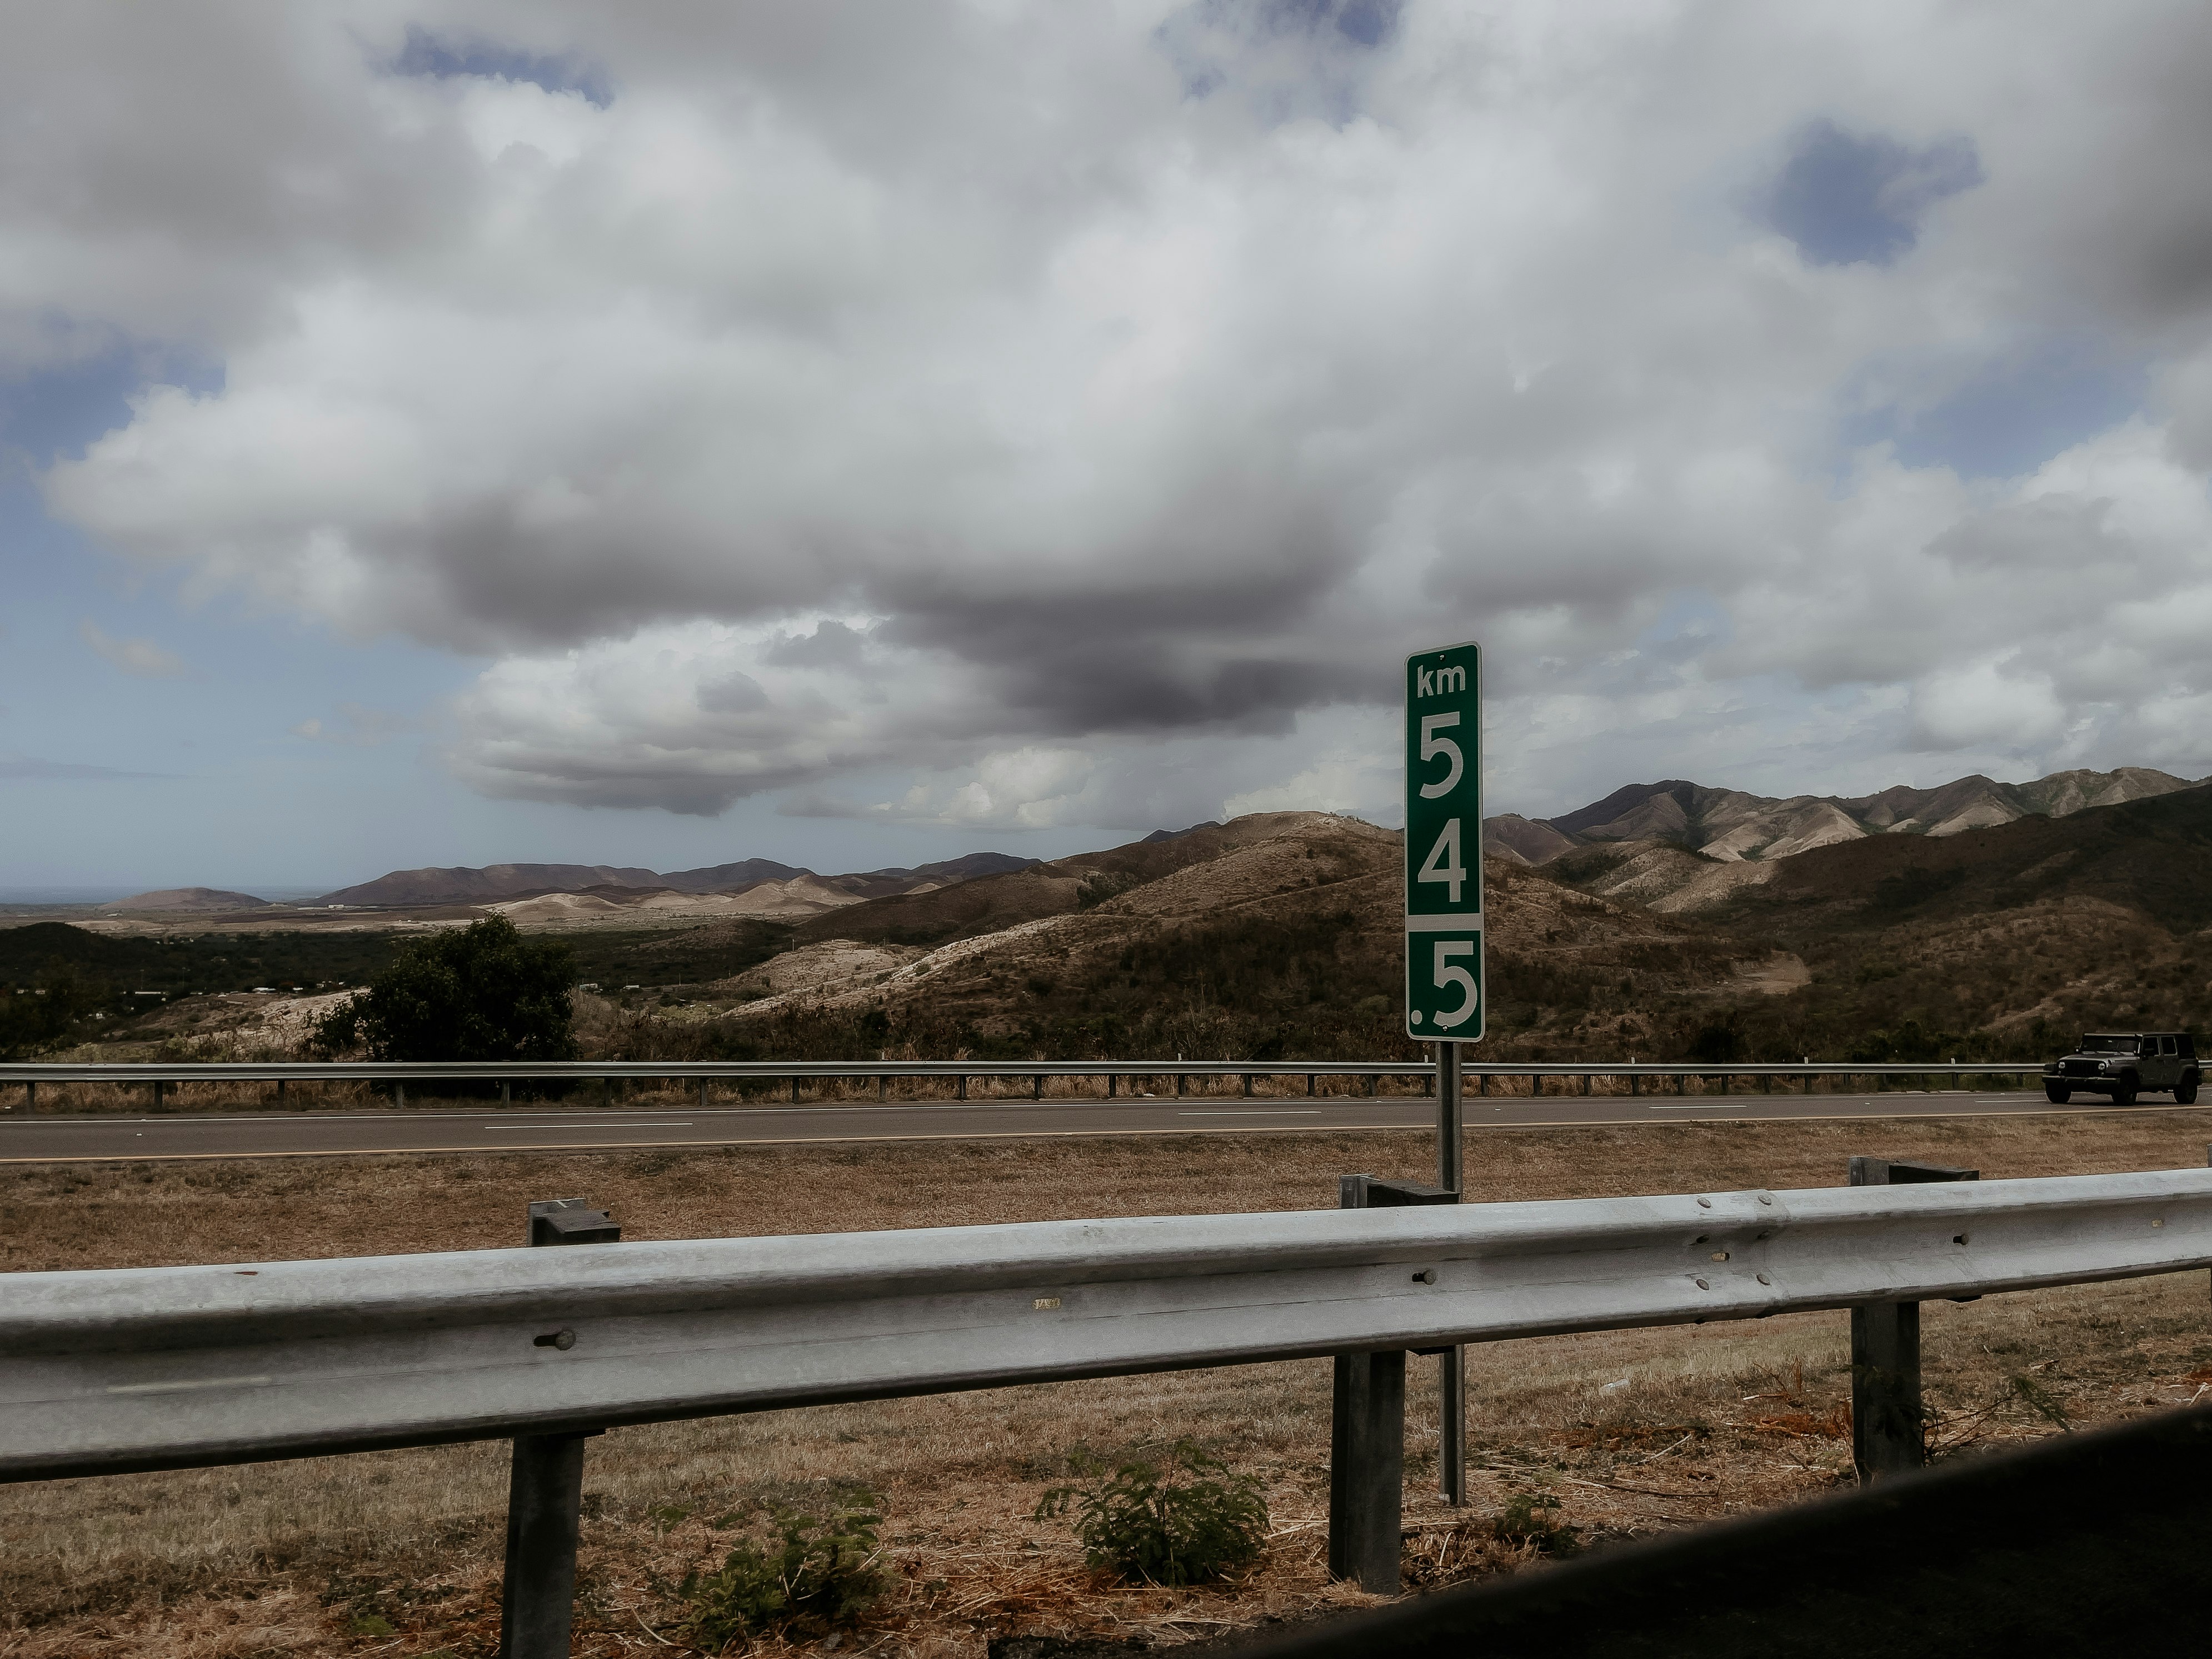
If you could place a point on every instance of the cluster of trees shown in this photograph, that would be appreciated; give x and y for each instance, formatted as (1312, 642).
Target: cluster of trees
(32, 1018)
(482, 993)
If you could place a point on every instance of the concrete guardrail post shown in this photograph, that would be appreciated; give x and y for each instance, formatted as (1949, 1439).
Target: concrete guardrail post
(1886, 1436)
(545, 1488)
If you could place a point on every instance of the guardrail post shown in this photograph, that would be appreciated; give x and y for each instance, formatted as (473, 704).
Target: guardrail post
(962, 1093)
(1886, 1437)
(794, 1091)
(157, 1094)
(31, 1096)
(1366, 1448)
(546, 1487)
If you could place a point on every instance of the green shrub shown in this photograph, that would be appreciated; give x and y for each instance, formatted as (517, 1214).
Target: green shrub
(816, 1570)
(1189, 1523)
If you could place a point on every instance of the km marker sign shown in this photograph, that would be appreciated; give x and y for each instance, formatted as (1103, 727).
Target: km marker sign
(1443, 844)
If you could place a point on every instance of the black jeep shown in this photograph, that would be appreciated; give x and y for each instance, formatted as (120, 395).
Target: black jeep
(2124, 1064)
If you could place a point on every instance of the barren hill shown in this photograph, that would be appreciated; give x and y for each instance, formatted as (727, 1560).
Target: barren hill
(495, 882)
(1272, 934)
(1729, 824)
(189, 898)
(1991, 939)
(989, 904)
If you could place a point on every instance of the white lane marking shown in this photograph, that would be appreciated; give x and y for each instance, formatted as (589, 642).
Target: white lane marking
(1705, 1106)
(627, 1123)
(184, 1388)
(1288, 1111)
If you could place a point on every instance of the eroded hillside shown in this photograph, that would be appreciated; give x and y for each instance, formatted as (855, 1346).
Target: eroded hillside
(1264, 938)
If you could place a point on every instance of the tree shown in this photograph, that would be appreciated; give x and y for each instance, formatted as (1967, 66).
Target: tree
(484, 992)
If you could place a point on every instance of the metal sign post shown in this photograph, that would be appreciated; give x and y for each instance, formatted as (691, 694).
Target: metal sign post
(1444, 1002)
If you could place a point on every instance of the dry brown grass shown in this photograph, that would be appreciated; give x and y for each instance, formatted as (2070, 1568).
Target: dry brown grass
(398, 1553)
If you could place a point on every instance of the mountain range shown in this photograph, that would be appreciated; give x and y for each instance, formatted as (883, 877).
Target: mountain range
(1663, 845)
(1730, 825)
(492, 882)
(1281, 934)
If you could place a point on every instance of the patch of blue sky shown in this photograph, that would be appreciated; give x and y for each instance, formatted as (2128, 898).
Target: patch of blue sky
(1291, 58)
(55, 409)
(443, 58)
(2008, 415)
(173, 773)
(1849, 198)
(1692, 623)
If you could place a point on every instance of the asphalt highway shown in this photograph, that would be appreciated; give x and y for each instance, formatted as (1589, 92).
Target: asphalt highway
(41, 1140)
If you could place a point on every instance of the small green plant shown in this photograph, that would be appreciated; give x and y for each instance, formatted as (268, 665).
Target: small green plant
(816, 1569)
(1528, 1519)
(1191, 1522)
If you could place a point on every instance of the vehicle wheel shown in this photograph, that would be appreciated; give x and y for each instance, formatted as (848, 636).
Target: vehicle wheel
(2123, 1091)
(2185, 1094)
(2056, 1094)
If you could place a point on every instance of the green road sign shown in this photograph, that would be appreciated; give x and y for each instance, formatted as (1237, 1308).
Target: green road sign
(1443, 844)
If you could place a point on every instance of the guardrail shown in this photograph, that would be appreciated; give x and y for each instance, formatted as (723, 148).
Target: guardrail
(700, 1074)
(119, 1369)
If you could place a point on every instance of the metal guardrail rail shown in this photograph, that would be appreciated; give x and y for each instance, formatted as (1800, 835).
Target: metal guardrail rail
(30, 1074)
(104, 1371)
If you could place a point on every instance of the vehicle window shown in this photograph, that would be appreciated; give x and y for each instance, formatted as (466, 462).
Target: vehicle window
(2109, 1044)
(2166, 1046)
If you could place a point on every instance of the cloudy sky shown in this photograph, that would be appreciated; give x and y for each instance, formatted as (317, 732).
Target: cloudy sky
(857, 434)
